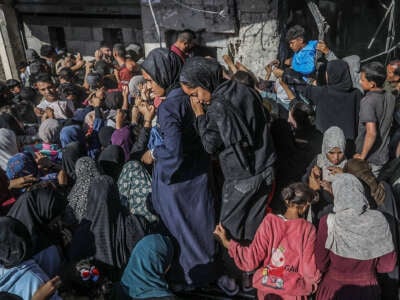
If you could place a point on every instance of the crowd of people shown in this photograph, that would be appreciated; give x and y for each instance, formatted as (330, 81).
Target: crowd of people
(132, 177)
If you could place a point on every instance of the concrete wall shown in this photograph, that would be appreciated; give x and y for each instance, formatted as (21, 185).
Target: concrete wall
(252, 24)
(81, 35)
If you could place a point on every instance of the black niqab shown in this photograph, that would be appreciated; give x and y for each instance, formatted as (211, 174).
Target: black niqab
(339, 75)
(36, 209)
(337, 104)
(70, 154)
(203, 72)
(111, 161)
(15, 242)
(164, 68)
(115, 231)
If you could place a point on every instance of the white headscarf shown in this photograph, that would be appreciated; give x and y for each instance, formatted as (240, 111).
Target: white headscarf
(354, 230)
(333, 138)
(8, 146)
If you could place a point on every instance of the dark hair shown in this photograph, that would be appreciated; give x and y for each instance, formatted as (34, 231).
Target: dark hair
(75, 284)
(27, 94)
(43, 77)
(244, 78)
(11, 83)
(375, 72)
(47, 51)
(119, 49)
(66, 74)
(299, 193)
(186, 35)
(132, 55)
(295, 32)
(22, 65)
(104, 44)
(302, 114)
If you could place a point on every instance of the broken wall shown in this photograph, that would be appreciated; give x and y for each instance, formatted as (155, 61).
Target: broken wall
(250, 26)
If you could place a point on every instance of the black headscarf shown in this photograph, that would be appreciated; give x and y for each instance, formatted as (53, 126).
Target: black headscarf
(337, 103)
(111, 161)
(9, 122)
(70, 154)
(105, 134)
(114, 230)
(15, 242)
(339, 75)
(164, 67)
(36, 209)
(203, 72)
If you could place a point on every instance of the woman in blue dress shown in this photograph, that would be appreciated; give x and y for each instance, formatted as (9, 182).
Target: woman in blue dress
(180, 189)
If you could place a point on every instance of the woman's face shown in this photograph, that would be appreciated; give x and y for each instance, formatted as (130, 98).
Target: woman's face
(157, 90)
(197, 94)
(335, 156)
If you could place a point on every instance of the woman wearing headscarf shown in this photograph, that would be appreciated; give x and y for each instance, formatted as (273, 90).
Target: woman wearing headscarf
(337, 103)
(134, 185)
(8, 146)
(353, 244)
(235, 126)
(111, 161)
(180, 182)
(85, 171)
(70, 154)
(38, 210)
(145, 275)
(380, 196)
(323, 170)
(19, 273)
(49, 133)
(107, 229)
(105, 134)
(72, 133)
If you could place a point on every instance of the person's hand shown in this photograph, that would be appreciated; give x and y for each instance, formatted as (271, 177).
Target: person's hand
(288, 62)
(125, 91)
(321, 46)
(119, 119)
(220, 233)
(22, 182)
(42, 161)
(62, 178)
(358, 156)
(147, 158)
(197, 107)
(97, 55)
(327, 186)
(145, 91)
(148, 111)
(47, 289)
(278, 73)
(314, 181)
(335, 170)
(88, 67)
(38, 112)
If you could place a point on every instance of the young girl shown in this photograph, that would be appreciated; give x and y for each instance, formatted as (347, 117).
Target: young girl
(282, 252)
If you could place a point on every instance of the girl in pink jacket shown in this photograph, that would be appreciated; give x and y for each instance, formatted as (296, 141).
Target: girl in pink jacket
(282, 252)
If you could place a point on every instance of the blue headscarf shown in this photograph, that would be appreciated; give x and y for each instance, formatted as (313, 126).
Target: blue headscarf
(71, 134)
(21, 164)
(144, 276)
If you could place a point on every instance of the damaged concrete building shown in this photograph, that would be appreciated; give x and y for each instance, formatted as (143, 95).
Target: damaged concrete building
(251, 31)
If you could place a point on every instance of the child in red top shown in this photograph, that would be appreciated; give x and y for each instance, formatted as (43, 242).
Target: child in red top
(282, 252)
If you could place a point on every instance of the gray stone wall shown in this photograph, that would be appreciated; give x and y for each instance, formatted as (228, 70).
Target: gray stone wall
(253, 25)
